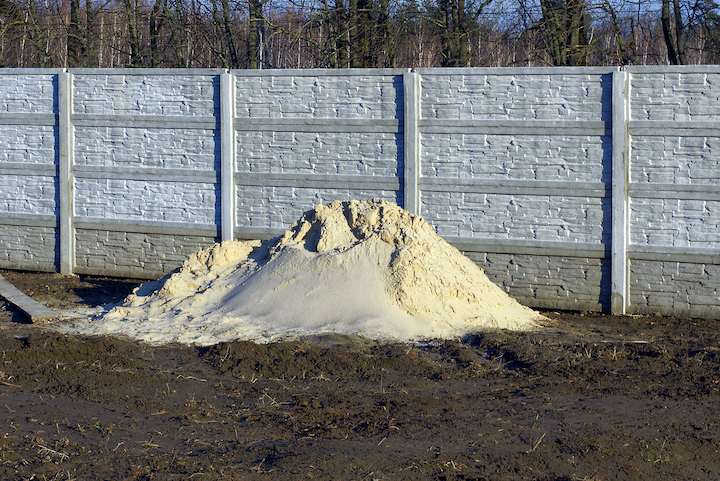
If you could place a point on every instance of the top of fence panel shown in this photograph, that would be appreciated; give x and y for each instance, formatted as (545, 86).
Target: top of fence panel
(370, 71)
(31, 71)
(317, 72)
(660, 69)
(517, 71)
(147, 71)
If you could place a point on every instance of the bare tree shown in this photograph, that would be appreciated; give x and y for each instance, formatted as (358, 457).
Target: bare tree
(74, 36)
(564, 24)
(132, 12)
(155, 25)
(453, 29)
(256, 35)
(675, 44)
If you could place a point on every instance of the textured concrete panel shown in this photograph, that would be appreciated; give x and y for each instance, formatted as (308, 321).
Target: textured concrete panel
(675, 288)
(28, 93)
(320, 153)
(279, 207)
(500, 216)
(28, 248)
(146, 147)
(27, 194)
(675, 96)
(517, 97)
(25, 144)
(134, 254)
(673, 222)
(108, 94)
(191, 203)
(675, 160)
(319, 97)
(519, 157)
(549, 281)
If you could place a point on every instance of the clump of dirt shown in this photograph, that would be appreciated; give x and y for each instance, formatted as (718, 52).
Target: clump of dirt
(303, 360)
(353, 267)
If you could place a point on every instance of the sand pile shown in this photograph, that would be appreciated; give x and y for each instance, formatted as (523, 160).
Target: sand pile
(368, 268)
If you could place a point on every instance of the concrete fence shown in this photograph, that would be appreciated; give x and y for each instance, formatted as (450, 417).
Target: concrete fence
(574, 188)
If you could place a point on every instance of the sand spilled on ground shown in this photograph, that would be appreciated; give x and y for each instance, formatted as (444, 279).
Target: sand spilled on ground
(353, 267)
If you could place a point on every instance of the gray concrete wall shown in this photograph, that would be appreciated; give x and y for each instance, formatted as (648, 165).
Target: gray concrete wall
(146, 150)
(308, 137)
(516, 165)
(574, 188)
(674, 188)
(29, 155)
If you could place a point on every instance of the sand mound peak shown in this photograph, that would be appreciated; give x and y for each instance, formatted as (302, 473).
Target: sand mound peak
(426, 274)
(342, 224)
(355, 267)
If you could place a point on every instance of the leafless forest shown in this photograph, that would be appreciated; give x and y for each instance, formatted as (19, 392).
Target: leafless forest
(356, 33)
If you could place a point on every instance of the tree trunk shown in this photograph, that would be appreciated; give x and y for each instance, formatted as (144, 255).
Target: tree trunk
(89, 52)
(577, 40)
(74, 41)
(679, 35)
(156, 22)
(361, 54)
(343, 56)
(131, 11)
(454, 36)
(256, 18)
(667, 32)
(360, 42)
(229, 41)
(386, 34)
(553, 38)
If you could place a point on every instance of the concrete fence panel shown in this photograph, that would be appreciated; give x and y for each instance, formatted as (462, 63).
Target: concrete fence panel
(516, 170)
(307, 137)
(674, 189)
(29, 158)
(145, 169)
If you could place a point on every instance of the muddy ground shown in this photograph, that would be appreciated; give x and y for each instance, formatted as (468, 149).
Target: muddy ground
(590, 398)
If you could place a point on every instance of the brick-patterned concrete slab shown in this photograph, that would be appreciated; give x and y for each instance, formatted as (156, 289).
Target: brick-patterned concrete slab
(35, 311)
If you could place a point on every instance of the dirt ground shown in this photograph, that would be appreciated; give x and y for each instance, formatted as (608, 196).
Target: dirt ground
(592, 397)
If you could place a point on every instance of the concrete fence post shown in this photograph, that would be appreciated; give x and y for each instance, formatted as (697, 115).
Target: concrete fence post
(620, 269)
(411, 144)
(227, 156)
(66, 146)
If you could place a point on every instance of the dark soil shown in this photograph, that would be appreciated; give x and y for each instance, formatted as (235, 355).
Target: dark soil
(593, 397)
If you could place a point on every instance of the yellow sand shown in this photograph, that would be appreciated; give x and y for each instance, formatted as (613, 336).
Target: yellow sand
(355, 267)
